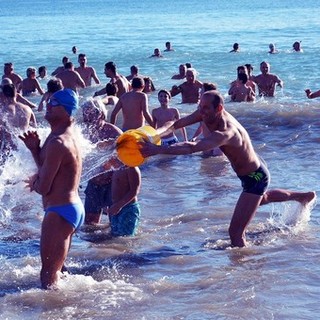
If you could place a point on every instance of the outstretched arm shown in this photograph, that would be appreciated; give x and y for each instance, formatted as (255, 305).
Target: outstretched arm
(312, 95)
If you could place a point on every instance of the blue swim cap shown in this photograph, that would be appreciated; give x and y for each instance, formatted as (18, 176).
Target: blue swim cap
(68, 99)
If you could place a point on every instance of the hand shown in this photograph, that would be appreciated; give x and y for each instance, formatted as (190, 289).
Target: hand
(31, 181)
(148, 149)
(308, 92)
(112, 210)
(31, 140)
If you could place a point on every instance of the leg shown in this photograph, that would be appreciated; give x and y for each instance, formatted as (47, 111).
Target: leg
(56, 234)
(280, 195)
(244, 211)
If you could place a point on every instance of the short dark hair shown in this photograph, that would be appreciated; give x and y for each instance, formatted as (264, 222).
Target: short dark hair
(243, 77)
(54, 85)
(207, 86)
(42, 68)
(137, 82)
(68, 65)
(164, 91)
(9, 90)
(111, 89)
(111, 66)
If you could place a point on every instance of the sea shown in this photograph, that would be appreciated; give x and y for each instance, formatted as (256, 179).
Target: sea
(180, 265)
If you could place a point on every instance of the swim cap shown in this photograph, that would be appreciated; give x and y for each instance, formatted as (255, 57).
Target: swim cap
(68, 99)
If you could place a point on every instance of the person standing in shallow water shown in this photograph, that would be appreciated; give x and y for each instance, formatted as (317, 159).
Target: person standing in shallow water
(233, 140)
(57, 181)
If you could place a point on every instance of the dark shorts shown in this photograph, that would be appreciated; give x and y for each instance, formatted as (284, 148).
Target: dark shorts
(256, 182)
(97, 197)
(126, 222)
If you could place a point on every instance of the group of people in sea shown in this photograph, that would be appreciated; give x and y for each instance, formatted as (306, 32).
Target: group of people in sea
(115, 191)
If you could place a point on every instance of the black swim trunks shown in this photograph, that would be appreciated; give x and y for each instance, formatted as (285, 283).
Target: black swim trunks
(256, 182)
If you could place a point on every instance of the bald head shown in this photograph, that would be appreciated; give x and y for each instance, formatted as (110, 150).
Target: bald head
(213, 97)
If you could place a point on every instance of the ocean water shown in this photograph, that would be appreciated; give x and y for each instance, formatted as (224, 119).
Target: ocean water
(180, 265)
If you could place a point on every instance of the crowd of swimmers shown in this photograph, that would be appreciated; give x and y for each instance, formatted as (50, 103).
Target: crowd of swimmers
(115, 193)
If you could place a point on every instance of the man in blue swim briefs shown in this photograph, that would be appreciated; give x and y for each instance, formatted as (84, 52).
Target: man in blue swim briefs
(233, 140)
(59, 169)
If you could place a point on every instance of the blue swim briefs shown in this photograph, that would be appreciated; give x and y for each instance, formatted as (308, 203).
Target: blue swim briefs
(72, 213)
(126, 222)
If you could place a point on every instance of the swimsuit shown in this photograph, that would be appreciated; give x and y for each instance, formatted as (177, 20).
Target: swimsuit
(97, 197)
(72, 213)
(256, 182)
(126, 222)
(169, 141)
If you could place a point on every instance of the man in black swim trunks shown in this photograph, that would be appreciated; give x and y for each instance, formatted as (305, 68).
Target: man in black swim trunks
(233, 140)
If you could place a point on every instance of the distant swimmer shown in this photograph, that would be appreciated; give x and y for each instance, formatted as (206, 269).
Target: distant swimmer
(42, 72)
(134, 107)
(134, 72)
(71, 78)
(156, 53)
(272, 48)
(235, 48)
(267, 81)
(86, 73)
(57, 181)
(297, 47)
(74, 50)
(238, 86)
(234, 141)
(190, 89)
(148, 85)
(241, 91)
(8, 72)
(30, 85)
(182, 73)
(61, 68)
(168, 47)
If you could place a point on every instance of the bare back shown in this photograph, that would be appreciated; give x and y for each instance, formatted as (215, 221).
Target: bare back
(133, 105)
(18, 115)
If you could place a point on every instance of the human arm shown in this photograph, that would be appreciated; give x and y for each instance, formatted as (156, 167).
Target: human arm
(44, 99)
(94, 76)
(175, 90)
(216, 139)
(40, 90)
(80, 81)
(115, 111)
(54, 154)
(32, 141)
(312, 95)
(279, 82)
(25, 101)
(100, 92)
(197, 133)
(183, 129)
(146, 112)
